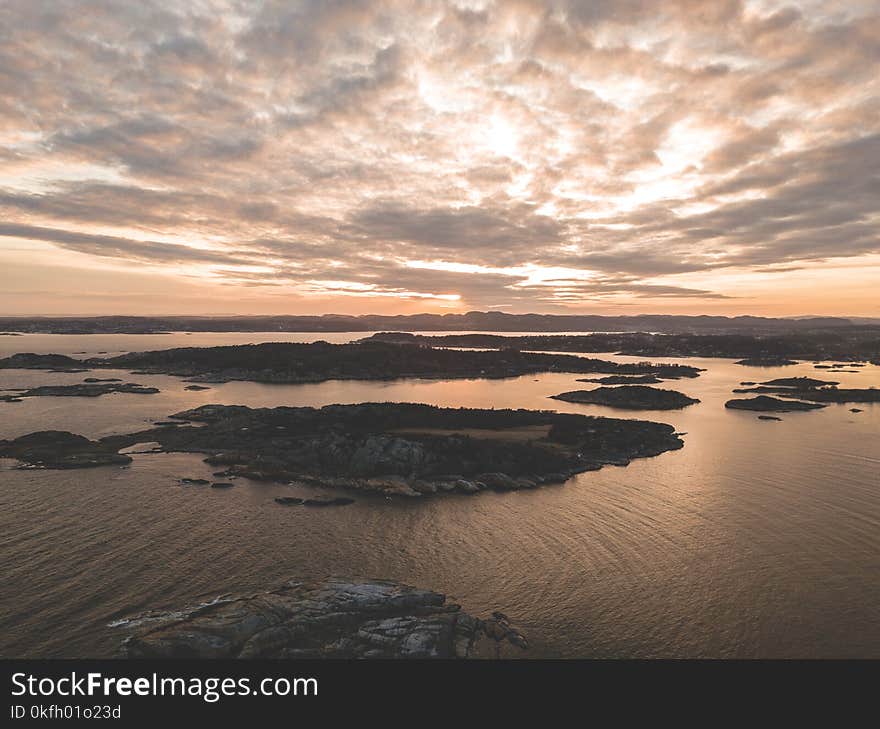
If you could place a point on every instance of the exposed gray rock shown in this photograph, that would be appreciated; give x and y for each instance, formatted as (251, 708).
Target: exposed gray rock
(333, 618)
(314, 501)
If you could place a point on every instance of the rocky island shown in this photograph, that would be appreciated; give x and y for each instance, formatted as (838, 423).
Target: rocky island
(285, 362)
(332, 618)
(625, 380)
(813, 390)
(852, 344)
(765, 403)
(393, 449)
(58, 449)
(31, 361)
(89, 389)
(766, 361)
(630, 397)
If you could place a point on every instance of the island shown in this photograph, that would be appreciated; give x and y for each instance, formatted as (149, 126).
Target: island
(392, 449)
(31, 361)
(838, 395)
(800, 383)
(764, 403)
(766, 361)
(851, 344)
(813, 390)
(287, 362)
(629, 397)
(331, 618)
(91, 389)
(58, 449)
(624, 380)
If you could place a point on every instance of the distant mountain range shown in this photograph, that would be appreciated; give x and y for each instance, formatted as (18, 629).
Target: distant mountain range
(482, 321)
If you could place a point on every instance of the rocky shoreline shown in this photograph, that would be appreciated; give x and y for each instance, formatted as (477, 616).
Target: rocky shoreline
(332, 618)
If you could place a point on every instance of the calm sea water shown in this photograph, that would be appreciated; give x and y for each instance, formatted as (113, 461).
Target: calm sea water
(758, 539)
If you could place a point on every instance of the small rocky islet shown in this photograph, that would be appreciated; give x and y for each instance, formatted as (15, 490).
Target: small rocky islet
(629, 397)
(331, 618)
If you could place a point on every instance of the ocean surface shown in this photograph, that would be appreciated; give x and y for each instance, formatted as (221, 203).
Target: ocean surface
(757, 539)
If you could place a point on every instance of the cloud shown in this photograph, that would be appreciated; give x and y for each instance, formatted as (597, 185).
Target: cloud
(116, 247)
(294, 144)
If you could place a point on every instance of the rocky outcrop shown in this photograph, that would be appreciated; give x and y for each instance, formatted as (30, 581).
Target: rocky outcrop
(630, 397)
(60, 449)
(764, 403)
(314, 501)
(333, 618)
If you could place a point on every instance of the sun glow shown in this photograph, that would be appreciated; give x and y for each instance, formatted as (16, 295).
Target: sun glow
(501, 137)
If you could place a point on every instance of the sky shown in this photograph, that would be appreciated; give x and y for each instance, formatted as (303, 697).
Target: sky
(394, 156)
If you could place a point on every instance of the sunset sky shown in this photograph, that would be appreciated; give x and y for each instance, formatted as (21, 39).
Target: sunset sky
(209, 156)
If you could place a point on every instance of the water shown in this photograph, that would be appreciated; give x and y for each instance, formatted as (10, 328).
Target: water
(757, 539)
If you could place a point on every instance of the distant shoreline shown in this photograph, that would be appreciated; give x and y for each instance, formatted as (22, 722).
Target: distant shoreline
(489, 321)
